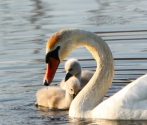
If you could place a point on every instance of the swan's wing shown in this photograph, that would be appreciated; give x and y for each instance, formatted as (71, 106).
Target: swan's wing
(137, 92)
(128, 103)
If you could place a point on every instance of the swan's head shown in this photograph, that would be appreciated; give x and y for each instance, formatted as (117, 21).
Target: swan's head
(73, 86)
(62, 43)
(72, 68)
(58, 47)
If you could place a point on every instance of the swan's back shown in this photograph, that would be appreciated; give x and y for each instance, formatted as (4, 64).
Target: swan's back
(128, 103)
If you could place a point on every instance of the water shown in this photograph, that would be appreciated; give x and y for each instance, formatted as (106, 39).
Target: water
(24, 29)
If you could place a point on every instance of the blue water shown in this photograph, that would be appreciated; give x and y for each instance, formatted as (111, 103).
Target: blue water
(25, 27)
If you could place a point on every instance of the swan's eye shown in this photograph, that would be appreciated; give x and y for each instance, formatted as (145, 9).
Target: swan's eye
(71, 89)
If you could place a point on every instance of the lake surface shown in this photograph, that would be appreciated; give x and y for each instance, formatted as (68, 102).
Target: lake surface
(25, 27)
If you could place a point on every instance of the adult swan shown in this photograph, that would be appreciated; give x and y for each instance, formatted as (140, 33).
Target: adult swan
(128, 104)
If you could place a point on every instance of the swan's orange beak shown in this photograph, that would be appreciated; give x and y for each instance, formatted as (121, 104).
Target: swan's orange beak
(52, 66)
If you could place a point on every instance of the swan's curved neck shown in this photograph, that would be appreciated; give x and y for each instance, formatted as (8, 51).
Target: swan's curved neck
(95, 90)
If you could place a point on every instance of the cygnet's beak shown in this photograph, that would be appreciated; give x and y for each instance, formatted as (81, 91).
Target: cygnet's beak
(52, 66)
(68, 75)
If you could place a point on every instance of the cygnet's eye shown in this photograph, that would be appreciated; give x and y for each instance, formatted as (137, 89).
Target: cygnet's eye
(70, 69)
(71, 89)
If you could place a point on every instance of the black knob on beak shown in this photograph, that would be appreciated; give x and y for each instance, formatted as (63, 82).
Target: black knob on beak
(46, 83)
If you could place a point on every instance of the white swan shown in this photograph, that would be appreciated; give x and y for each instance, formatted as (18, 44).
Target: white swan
(73, 68)
(128, 104)
(54, 97)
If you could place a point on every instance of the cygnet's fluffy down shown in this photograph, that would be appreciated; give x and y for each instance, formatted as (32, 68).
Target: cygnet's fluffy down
(57, 98)
(74, 69)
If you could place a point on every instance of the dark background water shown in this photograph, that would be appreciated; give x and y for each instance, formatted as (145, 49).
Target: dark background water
(26, 25)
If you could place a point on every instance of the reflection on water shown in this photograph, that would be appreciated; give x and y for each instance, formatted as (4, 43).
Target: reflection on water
(106, 122)
(24, 29)
(38, 13)
(119, 12)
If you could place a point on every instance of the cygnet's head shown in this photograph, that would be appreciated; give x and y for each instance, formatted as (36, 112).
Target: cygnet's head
(73, 86)
(72, 68)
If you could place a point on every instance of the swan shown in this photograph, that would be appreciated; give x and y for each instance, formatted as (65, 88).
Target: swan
(56, 98)
(73, 68)
(130, 103)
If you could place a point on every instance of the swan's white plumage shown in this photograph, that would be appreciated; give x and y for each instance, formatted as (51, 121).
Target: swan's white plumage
(128, 104)
(73, 67)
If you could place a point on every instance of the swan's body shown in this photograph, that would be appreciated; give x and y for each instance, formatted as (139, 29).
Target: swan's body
(128, 104)
(56, 98)
(74, 69)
